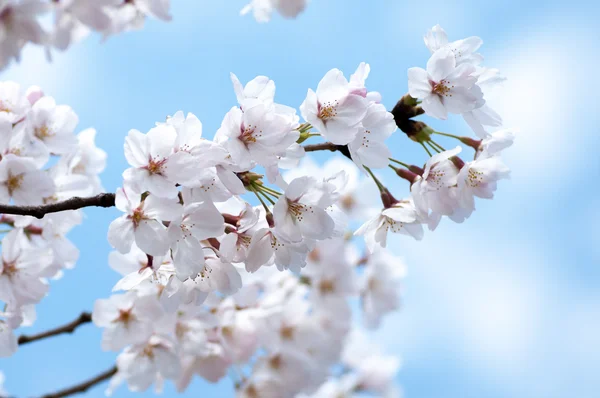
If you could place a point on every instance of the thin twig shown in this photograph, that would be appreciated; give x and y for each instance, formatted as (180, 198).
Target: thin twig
(84, 386)
(101, 200)
(328, 146)
(70, 327)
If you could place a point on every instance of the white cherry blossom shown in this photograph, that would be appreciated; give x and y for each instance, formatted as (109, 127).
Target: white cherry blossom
(142, 222)
(21, 181)
(333, 109)
(445, 86)
(126, 319)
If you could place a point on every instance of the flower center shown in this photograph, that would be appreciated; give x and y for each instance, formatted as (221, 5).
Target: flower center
(326, 286)
(443, 88)
(244, 240)
(125, 317)
(9, 269)
(43, 132)
(372, 284)
(5, 107)
(155, 166)
(248, 134)
(148, 351)
(13, 183)
(436, 178)
(275, 362)
(252, 392)
(297, 210)
(286, 332)
(395, 226)
(328, 110)
(474, 178)
(137, 216)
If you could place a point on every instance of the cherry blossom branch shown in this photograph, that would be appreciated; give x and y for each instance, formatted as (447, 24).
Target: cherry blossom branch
(101, 200)
(405, 109)
(70, 327)
(84, 386)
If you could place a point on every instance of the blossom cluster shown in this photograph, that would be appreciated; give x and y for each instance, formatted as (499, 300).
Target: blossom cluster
(42, 161)
(237, 253)
(21, 21)
(454, 82)
(214, 283)
(263, 9)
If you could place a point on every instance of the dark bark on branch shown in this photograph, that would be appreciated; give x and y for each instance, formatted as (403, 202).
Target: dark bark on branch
(101, 200)
(70, 327)
(328, 146)
(84, 386)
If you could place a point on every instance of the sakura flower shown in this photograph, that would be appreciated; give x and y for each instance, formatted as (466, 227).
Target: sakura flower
(137, 268)
(53, 125)
(463, 50)
(189, 139)
(234, 245)
(126, 319)
(267, 247)
(260, 88)
(262, 386)
(495, 143)
(23, 270)
(211, 365)
(15, 139)
(54, 230)
(88, 160)
(21, 181)
(375, 372)
(357, 83)
(445, 86)
(379, 293)
(239, 334)
(300, 212)
(142, 222)
(401, 218)
(333, 110)
(330, 273)
(477, 119)
(255, 134)
(208, 187)
(18, 25)
(479, 178)
(13, 104)
(143, 364)
(74, 19)
(131, 15)
(155, 166)
(294, 369)
(216, 275)
(368, 148)
(432, 191)
(198, 221)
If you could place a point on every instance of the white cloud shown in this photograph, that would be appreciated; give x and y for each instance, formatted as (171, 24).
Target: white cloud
(543, 98)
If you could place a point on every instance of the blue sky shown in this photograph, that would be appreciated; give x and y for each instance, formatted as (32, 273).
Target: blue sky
(505, 305)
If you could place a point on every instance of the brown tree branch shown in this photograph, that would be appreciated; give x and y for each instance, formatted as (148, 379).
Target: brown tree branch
(84, 386)
(70, 327)
(328, 146)
(101, 200)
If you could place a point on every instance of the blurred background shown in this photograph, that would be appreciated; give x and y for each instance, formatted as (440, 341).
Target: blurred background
(505, 305)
